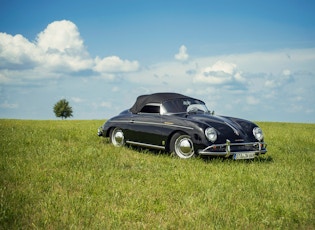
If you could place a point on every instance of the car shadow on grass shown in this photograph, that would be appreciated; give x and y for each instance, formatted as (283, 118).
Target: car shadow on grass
(207, 159)
(259, 159)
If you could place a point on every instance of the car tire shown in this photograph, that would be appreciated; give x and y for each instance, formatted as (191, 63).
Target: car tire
(181, 145)
(117, 137)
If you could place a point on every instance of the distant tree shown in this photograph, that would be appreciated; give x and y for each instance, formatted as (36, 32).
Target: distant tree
(63, 109)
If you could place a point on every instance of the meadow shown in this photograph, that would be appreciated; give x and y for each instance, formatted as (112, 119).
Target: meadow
(61, 175)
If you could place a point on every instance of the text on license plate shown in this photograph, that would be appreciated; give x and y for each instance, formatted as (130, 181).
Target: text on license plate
(240, 156)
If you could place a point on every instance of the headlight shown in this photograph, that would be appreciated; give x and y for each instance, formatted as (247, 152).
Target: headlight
(258, 133)
(211, 134)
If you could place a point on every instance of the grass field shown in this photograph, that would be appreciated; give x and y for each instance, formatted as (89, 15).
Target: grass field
(61, 175)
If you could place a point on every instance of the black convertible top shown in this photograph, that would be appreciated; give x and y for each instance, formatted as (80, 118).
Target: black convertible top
(154, 98)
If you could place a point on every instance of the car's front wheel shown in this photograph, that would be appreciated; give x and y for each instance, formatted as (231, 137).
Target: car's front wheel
(182, 146)
(117, 137)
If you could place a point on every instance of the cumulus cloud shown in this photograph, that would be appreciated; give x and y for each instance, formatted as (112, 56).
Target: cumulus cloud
(57, 50)
(17, 52)
(182, 54)
(62, 47)
(219, 73)
(115, 64)
(60, 36)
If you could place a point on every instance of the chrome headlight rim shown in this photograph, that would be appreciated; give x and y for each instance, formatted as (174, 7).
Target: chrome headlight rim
(258, 133)
(211, 134)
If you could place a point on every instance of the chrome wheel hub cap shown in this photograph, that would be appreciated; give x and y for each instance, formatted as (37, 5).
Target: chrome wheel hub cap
(184, 147)
(119, 137)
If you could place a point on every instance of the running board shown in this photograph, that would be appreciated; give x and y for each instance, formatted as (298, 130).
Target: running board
(146, 145)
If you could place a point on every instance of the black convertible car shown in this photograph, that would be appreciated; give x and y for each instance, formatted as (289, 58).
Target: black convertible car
(185, 127)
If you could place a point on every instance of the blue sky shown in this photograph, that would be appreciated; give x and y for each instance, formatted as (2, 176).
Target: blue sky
(249, 59)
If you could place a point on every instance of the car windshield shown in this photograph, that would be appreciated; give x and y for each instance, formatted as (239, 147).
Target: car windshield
(186, 105)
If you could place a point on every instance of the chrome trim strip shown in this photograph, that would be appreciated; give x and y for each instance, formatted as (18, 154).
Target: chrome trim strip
(155, 123)
(146, 145)
(162, 124)
(233, 128)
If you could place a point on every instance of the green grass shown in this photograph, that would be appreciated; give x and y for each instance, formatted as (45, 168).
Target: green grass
(60, 175)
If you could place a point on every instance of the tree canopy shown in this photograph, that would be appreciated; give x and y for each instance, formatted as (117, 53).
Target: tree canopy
(63, 109)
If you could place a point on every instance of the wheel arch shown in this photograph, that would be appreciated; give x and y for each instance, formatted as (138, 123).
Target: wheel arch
(108, 131)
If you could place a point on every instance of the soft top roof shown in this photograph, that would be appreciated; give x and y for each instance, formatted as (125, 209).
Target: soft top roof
(154, 98)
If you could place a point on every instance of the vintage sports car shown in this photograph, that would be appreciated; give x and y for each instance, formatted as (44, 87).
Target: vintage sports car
(185, 127)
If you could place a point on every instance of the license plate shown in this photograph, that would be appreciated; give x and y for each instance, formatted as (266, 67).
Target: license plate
(241, 156)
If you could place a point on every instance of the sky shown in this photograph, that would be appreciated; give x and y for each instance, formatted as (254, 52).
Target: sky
(249, 59)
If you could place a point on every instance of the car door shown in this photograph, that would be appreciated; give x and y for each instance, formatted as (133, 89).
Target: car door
(145, 127)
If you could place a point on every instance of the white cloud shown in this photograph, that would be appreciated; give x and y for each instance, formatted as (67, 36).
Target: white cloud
(62, 36)
(57, 51)
(251, 100)
(77, 99)
(105, 104)
(274, 61)
(115, 64)
(270, 83)
(63, 48)
(279, 79)
(169, 75)
(7, 105)
(219, 73)
(286, 72)
(182, 54)
(17, 51)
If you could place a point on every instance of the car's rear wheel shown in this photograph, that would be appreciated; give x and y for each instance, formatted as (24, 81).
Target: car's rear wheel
(117, 137)
(182, 146)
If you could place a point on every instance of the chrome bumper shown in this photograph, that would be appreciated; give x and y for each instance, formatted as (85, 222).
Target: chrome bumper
(225, 149)
(100, 132)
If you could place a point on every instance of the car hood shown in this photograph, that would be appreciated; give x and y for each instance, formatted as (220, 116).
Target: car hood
(228, 127)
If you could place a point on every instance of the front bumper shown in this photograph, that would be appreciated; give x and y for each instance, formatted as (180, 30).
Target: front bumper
(230, 149)
(100, 131)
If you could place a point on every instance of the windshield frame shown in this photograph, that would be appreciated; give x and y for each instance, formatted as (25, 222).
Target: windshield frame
(180, 106)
